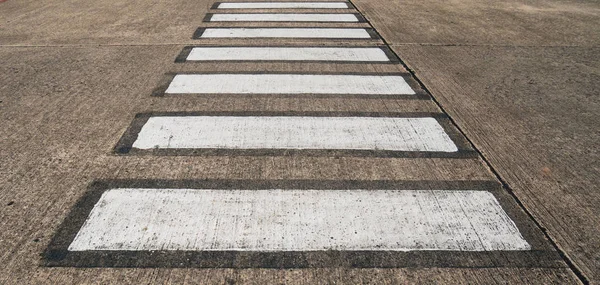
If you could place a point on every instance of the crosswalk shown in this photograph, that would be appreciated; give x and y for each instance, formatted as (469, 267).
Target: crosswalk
(282, 5)
(289, 84)
(294, 132)
(303, 33)
(282, 224)
(281, 17)
(341, 54)
(297, 220)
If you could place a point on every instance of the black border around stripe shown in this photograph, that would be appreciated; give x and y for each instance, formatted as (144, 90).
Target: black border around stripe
(125, 144)
(57, 254)
(393, 59)
(198, 33)
(420, 94)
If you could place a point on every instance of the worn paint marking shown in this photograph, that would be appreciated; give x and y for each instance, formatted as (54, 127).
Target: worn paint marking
(297, 220)
(283, 5)
(287, 53)
(283, 18)
(289, 84)
(331, 33)
(291, 132)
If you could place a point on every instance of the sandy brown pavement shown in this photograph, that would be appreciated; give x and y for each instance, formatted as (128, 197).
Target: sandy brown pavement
(519, 79)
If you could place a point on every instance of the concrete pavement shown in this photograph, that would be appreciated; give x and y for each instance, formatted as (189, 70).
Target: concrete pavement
(71, 86)
(521, 80)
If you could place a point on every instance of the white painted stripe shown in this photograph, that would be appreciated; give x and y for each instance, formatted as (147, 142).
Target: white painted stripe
(284, 5)
(283, 18)
(297, 220)
(290, 132)
(287, 53)
(341, 33)
(289, 84)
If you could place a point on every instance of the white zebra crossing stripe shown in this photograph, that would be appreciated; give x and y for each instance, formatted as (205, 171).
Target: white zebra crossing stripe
(297, 220)
(283, 18)
(288, 53)
(289, 84)
(293, 132)
(329, 33)
(283, 5)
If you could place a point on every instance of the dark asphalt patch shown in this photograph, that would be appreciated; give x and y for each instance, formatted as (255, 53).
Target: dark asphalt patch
(124, 146)
(542, 254)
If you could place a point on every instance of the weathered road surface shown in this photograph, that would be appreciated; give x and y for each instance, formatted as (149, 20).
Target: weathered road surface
(299, 142)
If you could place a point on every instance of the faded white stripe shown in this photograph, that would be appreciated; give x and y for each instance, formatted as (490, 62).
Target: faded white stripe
(290, 132)
(287, 53)
(331, 33)
(283, 5)
(283, 18)
(289, 84)
(297, 220)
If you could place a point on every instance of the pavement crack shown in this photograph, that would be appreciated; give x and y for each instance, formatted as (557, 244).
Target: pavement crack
(489, 45)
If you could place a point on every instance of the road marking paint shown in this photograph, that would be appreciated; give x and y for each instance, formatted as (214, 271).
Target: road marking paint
(289, 84)
(283, 5)
(283, 18)
(130, 219)
(294, 132)
(288, 53)
(331, 33)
